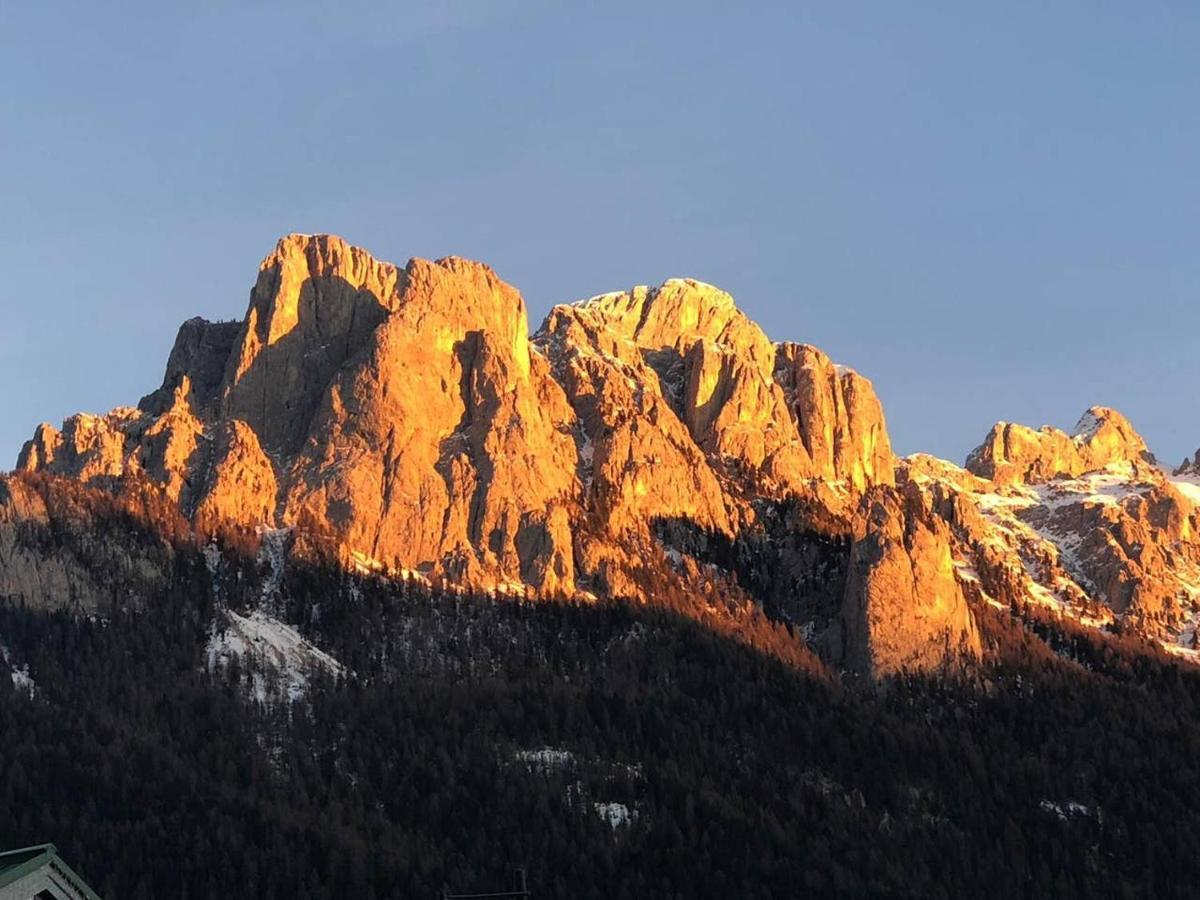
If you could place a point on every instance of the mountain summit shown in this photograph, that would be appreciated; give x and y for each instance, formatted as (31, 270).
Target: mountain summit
(1018, 454)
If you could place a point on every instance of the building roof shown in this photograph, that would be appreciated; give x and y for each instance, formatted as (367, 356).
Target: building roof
(40, 868)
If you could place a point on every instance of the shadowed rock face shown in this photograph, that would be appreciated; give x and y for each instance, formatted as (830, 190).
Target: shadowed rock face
(198, 360)
(62, 546)
(1190, 466)
(407, 413)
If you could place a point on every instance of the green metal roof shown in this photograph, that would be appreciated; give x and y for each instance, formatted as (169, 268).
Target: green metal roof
(16, 864)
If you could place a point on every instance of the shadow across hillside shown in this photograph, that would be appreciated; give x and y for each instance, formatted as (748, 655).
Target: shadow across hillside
(794, 564)
(473, 734)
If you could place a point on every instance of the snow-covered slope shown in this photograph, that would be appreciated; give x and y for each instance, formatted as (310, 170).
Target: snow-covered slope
(21, 679)
(278, 660)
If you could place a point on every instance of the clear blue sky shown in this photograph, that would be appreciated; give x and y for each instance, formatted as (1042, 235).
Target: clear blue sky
(992, 210)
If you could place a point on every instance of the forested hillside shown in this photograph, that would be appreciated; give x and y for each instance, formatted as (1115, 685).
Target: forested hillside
(611, 749)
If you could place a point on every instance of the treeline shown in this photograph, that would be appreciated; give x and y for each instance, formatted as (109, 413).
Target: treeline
(1066, 769)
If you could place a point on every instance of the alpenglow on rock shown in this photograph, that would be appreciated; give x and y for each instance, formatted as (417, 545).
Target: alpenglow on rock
(650, 444)
(1086, 525)
(904, 607)
(407, 416)
(1017, 453)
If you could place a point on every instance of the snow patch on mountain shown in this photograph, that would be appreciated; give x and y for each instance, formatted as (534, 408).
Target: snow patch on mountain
(1188, 485)
(22, 679)
(968, 574)
(274, 552)
(1065, 810)
(545, 759)
(588, 775)
(1013, 536)
(1107, 487)
(281, 660)
(617, 815)
(1050, 530)
(1187, 643)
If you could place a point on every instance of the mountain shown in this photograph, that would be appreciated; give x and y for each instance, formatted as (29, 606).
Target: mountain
(378, 592)
(407, 415)
(405, 419)
(1087, 524)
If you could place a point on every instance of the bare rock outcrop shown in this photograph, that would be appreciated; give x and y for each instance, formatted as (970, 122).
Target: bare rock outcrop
(125, 442)
(447, 447)
(777, 418)
(1016, 453)
(198, 360)
(1086, 525)
(687, 412)
(1190, 466)
(405, 416)
(838, 416)
(315, 305)
(87, 447)
(240, 485)
(63, 546)
(904, 609)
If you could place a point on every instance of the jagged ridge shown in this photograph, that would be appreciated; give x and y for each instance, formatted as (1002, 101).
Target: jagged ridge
(405, 418)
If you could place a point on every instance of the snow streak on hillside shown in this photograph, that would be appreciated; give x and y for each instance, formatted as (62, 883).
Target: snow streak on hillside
(283, 661)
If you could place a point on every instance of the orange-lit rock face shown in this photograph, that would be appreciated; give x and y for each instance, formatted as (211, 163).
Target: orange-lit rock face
(408, 410)
(315, 306)
(1016, 453)
(406, 413)
(241, 485)
(783, 416)
(406, 416)
(445, 446)
(904, 608)
(838, 417)
(1085, 524)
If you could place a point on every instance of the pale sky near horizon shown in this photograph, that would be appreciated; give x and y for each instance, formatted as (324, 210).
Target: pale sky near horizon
(990, 209)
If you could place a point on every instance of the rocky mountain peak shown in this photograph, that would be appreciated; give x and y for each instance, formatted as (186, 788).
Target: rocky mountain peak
(1106, 436)
(197, 362)
(314, 306)
(458, 296)
(1190, 466)
(676, 315)
(1014, 453)
(405, 415)
(645, 443)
